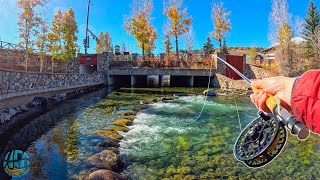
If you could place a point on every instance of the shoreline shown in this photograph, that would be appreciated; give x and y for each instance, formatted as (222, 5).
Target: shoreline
(110, 146)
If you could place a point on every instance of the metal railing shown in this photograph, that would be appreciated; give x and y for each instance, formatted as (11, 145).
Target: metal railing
(185, 61)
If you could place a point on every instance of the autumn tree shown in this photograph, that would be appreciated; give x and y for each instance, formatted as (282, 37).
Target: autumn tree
(285, 50)
(55, 38)
(69, 37)
(278, 16)
(42, 42)
(167, 45)
(104, 44)
(150, 46)
(311, 32)
(28, 22)
(253, 54)
(139, 24)
(189, 39)
(221, 22)
(178, 18)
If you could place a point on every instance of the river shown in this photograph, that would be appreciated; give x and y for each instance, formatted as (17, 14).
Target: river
(166, 141)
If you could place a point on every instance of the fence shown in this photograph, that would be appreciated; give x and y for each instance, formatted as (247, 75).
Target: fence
(186, 61)
(13, 57)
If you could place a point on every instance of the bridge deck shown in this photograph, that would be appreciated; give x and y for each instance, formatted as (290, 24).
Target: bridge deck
(151, 71)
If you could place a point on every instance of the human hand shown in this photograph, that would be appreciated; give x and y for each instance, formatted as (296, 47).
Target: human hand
(279, 86)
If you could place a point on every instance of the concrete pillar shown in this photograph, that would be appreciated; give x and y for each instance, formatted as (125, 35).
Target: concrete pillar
(161, 81)
(110, 80)
(191, 81)
(133, 80)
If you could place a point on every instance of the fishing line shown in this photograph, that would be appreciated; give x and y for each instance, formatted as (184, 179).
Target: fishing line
(235, 101)
(206, 95)
(205, 98)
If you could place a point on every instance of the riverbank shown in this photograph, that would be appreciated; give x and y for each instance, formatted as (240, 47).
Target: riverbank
(71, 138)
(125, 104)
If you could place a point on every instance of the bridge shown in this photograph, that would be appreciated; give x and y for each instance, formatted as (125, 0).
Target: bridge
(159, 77)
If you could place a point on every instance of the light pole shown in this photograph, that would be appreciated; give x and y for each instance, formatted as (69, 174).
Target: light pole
(86, 40)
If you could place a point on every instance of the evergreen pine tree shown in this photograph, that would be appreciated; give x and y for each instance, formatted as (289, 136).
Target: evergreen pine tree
(209, 45)
(311, 30)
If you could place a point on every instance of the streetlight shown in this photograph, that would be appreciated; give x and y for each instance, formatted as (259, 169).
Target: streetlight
(86, 40)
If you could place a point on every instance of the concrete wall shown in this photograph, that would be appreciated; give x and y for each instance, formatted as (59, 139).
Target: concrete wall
(17, 83)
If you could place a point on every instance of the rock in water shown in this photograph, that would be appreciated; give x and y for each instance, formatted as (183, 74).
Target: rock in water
(123, 122)
(4, 117)
(209, 92)
(12, 112)
(118, 128)
(24, 108)
(109, 143)
(106, 159)
(109, 134)
(106, 175)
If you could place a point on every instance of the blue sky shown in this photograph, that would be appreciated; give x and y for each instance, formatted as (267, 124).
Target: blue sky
(249, 19)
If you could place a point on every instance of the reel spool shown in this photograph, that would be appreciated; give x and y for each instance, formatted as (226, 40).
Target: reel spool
(261, 141)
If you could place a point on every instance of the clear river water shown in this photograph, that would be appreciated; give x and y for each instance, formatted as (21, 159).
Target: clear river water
(165, 141)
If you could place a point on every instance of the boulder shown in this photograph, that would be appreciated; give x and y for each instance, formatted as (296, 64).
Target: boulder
(128, 113)
(123, 122)
(12, 112)
(167, 98)
(129, 117)
(118, 128)
(139, 107)
(144, 102)
(106, 159)
(4, 117)
(113, 149)
(209, 92)
(109, 134)
(59, 97)
(23, 108)
(104, 174)
(109, 143)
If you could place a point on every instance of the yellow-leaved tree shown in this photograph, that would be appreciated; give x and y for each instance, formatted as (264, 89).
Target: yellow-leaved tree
(178, 18)
(69, 36)
(221, 22)
(42, 41)
(28, 22)
(104, 44)
(139, 25)
(55, 38)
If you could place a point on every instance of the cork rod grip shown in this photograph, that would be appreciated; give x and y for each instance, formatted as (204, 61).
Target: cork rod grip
(271, 101)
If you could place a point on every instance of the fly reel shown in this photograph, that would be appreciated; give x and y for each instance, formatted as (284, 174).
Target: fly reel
(261, 141)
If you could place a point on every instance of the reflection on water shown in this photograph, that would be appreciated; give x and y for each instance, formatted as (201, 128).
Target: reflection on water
(162, 143)
(59, 140)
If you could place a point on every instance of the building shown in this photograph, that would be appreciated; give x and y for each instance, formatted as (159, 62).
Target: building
(269, 53)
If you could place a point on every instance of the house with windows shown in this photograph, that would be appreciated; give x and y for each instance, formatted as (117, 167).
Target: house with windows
(269, 53)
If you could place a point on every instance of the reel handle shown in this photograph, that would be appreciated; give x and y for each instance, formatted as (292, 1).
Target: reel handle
(295, 126)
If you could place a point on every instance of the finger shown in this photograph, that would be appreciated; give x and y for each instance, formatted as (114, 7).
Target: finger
(258, 84)
(262, 103)
(252, 98)
(256, 99)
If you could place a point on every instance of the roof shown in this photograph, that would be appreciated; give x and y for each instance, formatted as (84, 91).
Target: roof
(296, 40)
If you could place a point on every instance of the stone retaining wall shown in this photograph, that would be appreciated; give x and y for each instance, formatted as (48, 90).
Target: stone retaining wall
(17, 83)
(254, 72)
(227, 83)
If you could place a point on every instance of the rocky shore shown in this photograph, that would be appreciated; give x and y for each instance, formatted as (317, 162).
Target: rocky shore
(107, 164)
